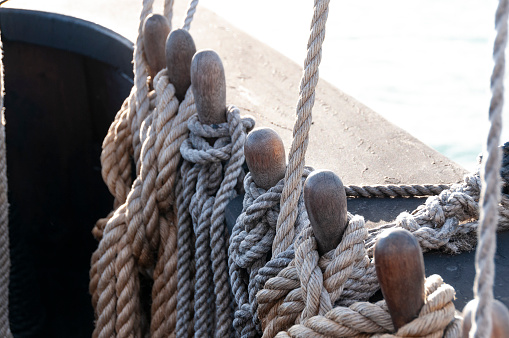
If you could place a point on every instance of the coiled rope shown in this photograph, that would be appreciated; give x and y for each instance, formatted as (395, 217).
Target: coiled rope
(5, 262)
(209, 176)
(140, 237)
(250, 248)
(363, 319)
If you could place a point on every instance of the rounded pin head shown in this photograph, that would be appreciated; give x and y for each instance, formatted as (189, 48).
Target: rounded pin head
(400, 271)
(265, 157)
(155, 31)
(325, 200)
(180, 49)
(499, 317)
(209, 87)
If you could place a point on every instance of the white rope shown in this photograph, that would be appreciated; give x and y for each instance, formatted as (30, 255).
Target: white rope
(5, 262)
(490, 194)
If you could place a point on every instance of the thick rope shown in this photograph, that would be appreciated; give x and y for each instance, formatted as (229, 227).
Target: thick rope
(296, 157)
(5, 262)
(209, 175)
(362, 319)
(490, 194)
(311, 285)
(250, 248)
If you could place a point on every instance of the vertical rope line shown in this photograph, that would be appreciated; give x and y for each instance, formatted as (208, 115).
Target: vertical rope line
(292, 188)
(490, 193)
(5, 262)
(190, 14)
(168, 10)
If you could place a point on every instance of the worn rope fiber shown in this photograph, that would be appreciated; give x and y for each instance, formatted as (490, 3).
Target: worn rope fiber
(250, 248)
(449, 221)
(363, 319)
(5, 262)
(490, 194)
(209, 175)
(148, 214)
(312, 285)
(296, 157)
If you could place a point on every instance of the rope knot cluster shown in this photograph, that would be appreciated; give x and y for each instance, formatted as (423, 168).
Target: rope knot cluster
(363, 319)
(312, 285)
(212, 168)
(250, 249)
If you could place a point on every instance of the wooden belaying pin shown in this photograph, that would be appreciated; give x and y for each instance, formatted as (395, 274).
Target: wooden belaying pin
(499, 319)
(400, 271)
(180, 49)
(265, 157)
(209, 87)
(325, 199)
(155, 31)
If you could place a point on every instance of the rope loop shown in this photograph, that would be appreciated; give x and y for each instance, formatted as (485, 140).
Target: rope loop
(363, 319)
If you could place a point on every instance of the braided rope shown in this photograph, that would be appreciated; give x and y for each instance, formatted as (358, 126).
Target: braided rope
(362, 319)
(490, 194)
(5, 262)
(446, 222)
(292, 189)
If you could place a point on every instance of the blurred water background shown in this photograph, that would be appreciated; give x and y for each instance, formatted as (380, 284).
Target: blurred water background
(424, 65)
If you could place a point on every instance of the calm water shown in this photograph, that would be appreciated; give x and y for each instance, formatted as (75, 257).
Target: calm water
(422, 64)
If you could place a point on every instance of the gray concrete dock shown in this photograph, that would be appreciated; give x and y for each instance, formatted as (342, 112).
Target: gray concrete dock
(346, 136)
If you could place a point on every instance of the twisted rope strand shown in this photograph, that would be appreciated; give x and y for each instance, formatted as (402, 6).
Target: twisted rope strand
(363, 319)
(191, 10)
(295, 168)
(490, 194)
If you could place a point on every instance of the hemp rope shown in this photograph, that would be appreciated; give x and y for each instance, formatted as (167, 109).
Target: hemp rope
(490, 194)
(312, 285)
(296, 157)
(209, 176)
(5, 262)
(250, 245)
(147, 205)
(363, 319)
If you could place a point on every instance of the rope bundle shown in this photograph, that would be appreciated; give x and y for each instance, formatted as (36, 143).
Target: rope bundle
(209, 176)
(311, 284)
(448, 221)
(250, 247)
(362, 319)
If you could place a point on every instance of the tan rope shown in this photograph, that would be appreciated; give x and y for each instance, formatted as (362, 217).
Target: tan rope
(292, 189)
(5, 262)
(311, 285)
(362, 319)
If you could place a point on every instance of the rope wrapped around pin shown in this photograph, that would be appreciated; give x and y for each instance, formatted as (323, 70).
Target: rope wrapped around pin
(213, 158)
(413, 306)
(131, 242)
(330, 266)
(253, 233)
